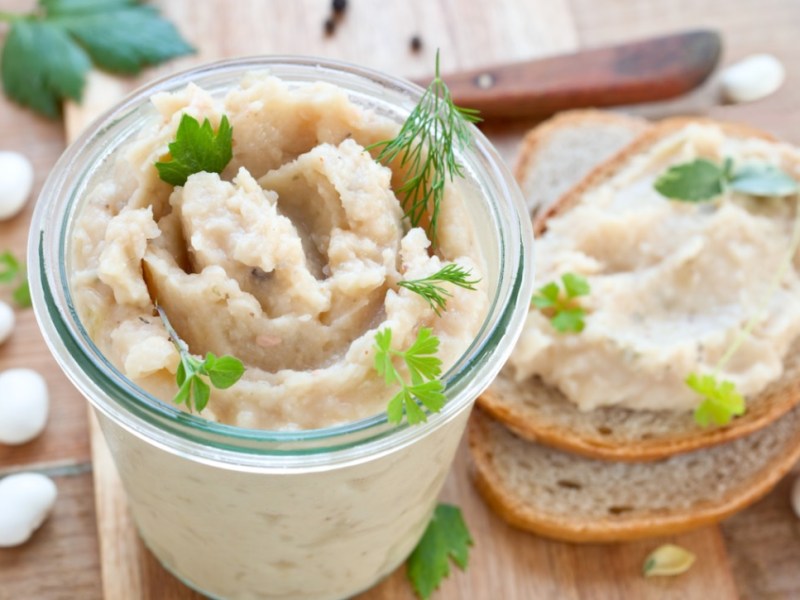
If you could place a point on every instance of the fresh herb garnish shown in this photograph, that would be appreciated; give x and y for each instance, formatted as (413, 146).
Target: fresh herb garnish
(721, 401)
(193, 389)
(433, 293)
(426, 147)
(196, 149)
(563, 310)
(423, 367)
(13, 273)
(49, 51)
(702, 180)
(447, 537)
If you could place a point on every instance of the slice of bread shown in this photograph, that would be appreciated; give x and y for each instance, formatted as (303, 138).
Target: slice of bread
(543, 414)
(561, 151)
(578, 499)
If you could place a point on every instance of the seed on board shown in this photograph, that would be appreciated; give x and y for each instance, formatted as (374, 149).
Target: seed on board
(339, 6)
(7, 321)
(26, 500)
(753, 78)
(24, 405)
(416, 43)
(16, 183)
(668, 559)
(329, 26)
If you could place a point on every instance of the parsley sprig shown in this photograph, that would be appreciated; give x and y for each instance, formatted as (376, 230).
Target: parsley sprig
(435, 294)
(562, 308)
(197, 148)
(193, 389)
(423, 367)
(49, 51)
(702, 180)
(446, 538)
(13, 273)
(426, 146)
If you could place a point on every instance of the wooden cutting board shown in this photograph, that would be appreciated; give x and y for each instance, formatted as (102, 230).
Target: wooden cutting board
(505, 563)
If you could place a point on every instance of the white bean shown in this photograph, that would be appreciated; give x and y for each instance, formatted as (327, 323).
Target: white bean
(753, 78)
(16, 183)
(24, 404)
(7, 321)
(796, 496)
(26, 500)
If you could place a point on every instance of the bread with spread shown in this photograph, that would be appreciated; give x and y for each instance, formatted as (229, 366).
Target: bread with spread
(673, 285)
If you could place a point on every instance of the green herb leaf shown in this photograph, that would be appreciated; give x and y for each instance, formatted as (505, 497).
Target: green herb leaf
(433, 293)
(423, 367)
(446, 538)
(563, 310)
(225, 372)
(13, 273)
(721, 401)
(763, 180)
(47, 52)
(575, 285)
(193, 390)
(22, 295)
(426, 147)
(569, 320)
(42, 65)
(9, 267)
(125, 39)
(695, 181)
(197, 149)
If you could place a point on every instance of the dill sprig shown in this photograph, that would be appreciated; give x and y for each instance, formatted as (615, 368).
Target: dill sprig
(433, 293)
(426, 147)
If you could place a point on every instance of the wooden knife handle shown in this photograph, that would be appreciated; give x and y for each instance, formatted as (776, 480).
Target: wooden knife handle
(644, 71)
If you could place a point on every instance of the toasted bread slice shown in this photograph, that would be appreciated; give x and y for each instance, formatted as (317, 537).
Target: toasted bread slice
(541, 413)
(561, 151)
(578, 499)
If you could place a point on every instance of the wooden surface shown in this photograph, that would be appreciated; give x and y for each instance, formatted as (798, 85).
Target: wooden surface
(753, 555)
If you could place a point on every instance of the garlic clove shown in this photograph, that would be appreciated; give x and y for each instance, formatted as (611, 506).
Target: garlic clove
(668, 559)
(753, 78)
(7, 321)
(24, 405)
(26, 500)
(16, 183)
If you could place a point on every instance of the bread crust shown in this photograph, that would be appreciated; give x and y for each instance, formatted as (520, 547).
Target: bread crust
(764, 409)
(520, 513)
(539, 136)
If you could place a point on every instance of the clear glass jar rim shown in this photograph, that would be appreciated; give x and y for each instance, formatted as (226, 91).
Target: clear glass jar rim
(66, 336)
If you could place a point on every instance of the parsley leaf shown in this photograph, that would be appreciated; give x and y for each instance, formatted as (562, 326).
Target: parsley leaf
(446, 538)
(197, 148)
(721, 401)
(48, 52)
(695, 181)
(564, 312)
(41, 66)
(13, 273)
(423, 366)
(763, 180)
(701, 180)
(193, 390)
(433, 293)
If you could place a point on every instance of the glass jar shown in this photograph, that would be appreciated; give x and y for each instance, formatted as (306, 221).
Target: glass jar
(241, 513)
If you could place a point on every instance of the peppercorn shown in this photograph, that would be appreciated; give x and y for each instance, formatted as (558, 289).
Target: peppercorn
(339, 6)
(330, 26)
(416, 43)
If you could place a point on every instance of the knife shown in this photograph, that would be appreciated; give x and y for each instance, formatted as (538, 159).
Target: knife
(644, 71)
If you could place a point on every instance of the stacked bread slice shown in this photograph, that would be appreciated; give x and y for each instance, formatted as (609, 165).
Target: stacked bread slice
(615, 473)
